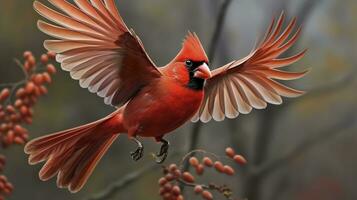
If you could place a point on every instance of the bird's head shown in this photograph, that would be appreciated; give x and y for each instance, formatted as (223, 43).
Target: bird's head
(192, 62)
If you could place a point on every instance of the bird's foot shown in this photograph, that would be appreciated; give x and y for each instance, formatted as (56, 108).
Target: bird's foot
(164, 151)
(139, 152)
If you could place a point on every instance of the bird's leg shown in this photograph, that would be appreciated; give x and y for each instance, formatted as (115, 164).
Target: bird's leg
(139, 152)
(164, 151)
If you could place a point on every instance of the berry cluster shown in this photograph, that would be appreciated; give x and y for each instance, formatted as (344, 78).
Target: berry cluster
(26, 93)
(5, 187)
(16, 105)
(174, 176)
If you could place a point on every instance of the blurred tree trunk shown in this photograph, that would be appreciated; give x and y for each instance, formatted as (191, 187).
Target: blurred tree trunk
(253, 184)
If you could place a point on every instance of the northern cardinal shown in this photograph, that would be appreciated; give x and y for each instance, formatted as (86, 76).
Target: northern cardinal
(97, 48)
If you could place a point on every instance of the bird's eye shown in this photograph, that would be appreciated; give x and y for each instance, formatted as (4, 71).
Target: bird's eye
(189, 63)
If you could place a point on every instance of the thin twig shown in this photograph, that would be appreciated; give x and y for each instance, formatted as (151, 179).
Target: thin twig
(22, 67)
(18, 63)
(193, 152)
(195, 133)
(224, 190)
(15, 85)
(122, 183)
(218, 29)
(126, 181)
(325, 135)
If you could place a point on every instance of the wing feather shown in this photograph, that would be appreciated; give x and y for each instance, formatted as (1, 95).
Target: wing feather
(65, 21)
(251, 82)
(255, 99)
(80, 16)
(93, 43)
(231, 107)
(62, 33)
(242, 99)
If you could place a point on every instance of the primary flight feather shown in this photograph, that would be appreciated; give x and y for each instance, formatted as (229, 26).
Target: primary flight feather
(96, 47)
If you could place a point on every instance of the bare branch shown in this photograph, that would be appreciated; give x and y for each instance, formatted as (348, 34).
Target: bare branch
(269, 116)
(123, 183)
(304, 147)
(127, 180)
(257, 174)
(265, 132)
(218, 29)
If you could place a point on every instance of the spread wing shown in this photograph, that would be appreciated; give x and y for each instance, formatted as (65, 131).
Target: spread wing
(251, 82)
(96, 47)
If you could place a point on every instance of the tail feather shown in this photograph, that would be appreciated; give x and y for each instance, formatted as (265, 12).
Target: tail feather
(34, 145)
(72, 154)
(75, 176)
(41, 148)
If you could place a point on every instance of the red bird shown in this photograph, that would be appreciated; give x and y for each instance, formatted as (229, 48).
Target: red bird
(97, 48)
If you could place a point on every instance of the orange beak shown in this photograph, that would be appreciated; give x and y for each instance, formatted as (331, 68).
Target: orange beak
(203, 72)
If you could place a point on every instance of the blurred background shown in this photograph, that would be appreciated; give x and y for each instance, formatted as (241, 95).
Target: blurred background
(302, 150)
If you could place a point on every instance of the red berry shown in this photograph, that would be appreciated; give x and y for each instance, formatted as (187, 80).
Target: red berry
(19, 140)
(168, 187)
(176, 190)
(30, 88)
(198, 189)
(27, 66)
(2, 116)
(19, 130)
(51, 55)
(219, 166)
(27, 54)
(240, 159)
(37, 92)
(10, 109)
(230, 152)
(24, 110)
(18, 103)
(169, 177)
(162, 181)
(43, 90)
(161, 191)
(20, 93)
(15, 118)
(186, 176)
(51, 69)
(207, 161)
(31, 61)
(207, 195)
(177, 173)
(38, 79)
(10, 136)
(167, 196)
(194, 161)
(47, 77)
(3, 127)
(228, 170)
(4, 94)
(200, 169)
(44, 58)
(172, 167)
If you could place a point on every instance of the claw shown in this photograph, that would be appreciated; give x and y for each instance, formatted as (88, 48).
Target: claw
(164, 151)
(139, 152)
